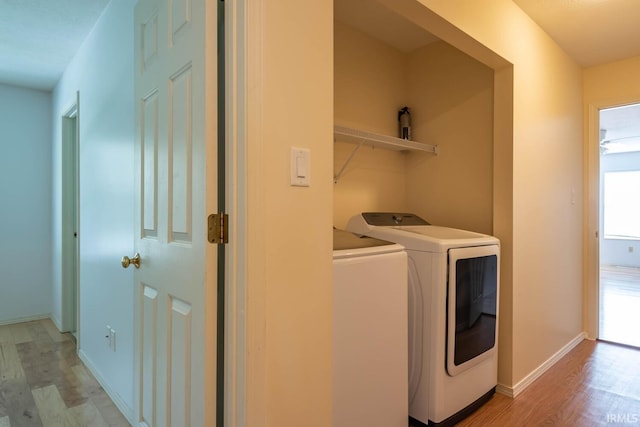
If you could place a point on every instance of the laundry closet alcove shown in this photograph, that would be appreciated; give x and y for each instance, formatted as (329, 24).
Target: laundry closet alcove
(383, 62)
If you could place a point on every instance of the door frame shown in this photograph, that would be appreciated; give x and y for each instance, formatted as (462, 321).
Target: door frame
(239, 18)
(70, 289)
(245, 335)
(592, 233)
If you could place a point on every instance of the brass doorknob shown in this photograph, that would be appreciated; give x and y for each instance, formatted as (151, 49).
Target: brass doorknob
(126, 261)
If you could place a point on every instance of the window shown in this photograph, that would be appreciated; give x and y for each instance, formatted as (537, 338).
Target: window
(622, 205)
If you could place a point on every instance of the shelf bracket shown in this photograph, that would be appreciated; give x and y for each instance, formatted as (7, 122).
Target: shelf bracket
(337, 176)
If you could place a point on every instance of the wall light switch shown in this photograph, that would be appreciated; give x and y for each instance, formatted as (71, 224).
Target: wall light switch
(300, 167)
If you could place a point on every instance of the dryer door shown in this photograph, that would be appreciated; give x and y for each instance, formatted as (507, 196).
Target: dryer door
(472, 309)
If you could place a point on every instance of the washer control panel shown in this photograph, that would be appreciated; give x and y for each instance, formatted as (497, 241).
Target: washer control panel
(390, 219)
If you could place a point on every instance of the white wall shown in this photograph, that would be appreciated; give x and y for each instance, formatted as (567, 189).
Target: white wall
(622, 252)
(25, 210)
(103, 73)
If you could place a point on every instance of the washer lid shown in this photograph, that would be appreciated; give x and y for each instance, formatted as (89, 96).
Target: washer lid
(346, 244)
(346, 240)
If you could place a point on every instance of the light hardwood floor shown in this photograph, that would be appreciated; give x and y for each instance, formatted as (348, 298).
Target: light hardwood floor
(596, 384)
(44, 384)
(620, 304)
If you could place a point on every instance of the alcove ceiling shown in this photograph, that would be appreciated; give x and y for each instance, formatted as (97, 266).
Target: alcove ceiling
(382, 23)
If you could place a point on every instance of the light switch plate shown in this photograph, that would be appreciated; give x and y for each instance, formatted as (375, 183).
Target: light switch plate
(300, 167)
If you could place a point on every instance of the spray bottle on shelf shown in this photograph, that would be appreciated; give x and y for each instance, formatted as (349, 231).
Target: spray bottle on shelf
(404, 120)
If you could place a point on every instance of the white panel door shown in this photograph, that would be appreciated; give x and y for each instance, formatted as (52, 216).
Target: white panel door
(175, 162)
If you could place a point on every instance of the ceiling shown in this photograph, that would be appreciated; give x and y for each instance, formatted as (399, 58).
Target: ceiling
(592, 32)
(38, 38)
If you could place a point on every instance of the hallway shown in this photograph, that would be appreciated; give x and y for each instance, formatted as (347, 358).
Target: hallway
(43, 383)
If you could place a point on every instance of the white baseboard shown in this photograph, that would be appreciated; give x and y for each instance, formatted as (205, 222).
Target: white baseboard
(505, 390)
(544, 367)
(56, 322)
(25, 319)
(126, 411)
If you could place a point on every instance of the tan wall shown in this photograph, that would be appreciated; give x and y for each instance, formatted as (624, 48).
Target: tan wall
(444, 89)
(613, 84)
(369, 81)
(545, 242)
(452, 97)
(370, 87)
(606, 85)
(290, 103)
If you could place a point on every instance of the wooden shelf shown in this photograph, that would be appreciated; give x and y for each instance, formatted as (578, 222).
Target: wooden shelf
(346, 134)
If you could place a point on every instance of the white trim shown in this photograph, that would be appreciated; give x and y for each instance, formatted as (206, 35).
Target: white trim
(591, 205)
(70, 258)
(504, 390)
(254, 261)
(28, 319)
(544, 367)
(591, 227)
(56, 322)
(126, 411)
(236, 194)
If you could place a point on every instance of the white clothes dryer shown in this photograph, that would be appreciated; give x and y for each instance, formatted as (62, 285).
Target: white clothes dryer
(453, 314)
(369, 332)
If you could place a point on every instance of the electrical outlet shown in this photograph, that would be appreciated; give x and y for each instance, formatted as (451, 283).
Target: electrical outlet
(112, 341)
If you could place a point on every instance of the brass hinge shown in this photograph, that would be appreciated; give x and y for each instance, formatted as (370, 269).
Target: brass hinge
(218, 228)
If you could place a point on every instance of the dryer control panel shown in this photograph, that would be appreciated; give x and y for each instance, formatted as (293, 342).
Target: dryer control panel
(383, 219)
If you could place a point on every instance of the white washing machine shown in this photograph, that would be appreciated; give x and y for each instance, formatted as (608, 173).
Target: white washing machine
(453, 314)
(369, 332)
